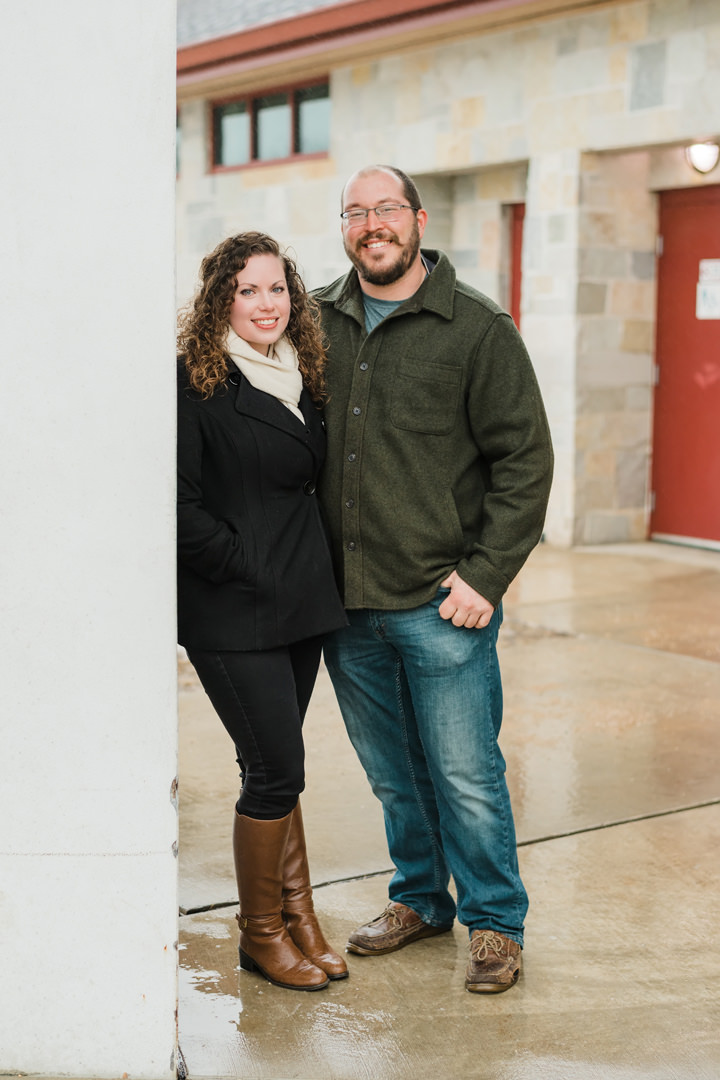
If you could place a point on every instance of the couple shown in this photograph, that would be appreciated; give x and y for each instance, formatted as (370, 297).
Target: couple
(433, 494)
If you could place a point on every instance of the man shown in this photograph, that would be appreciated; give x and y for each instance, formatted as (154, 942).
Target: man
(437, 478)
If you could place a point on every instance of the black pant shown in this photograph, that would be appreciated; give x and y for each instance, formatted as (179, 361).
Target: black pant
(261, 698)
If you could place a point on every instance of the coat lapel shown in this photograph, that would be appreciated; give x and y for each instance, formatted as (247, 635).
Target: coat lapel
(268, 410)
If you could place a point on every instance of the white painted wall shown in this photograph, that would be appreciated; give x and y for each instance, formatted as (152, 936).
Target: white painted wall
(87, 638)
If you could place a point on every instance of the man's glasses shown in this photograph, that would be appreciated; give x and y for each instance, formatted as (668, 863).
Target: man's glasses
(386, 212)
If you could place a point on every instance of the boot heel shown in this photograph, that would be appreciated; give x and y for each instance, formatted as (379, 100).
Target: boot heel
(246, 962)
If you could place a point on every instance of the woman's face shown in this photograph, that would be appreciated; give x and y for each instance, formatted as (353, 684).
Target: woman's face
(261, 308)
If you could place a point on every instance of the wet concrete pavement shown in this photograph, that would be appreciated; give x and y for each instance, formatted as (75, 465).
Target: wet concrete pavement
(611, 666)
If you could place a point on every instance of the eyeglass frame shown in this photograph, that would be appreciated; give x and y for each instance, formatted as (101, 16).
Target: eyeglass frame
(345, 214)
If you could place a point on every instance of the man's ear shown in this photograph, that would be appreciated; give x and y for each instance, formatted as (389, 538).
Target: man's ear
(421, 218)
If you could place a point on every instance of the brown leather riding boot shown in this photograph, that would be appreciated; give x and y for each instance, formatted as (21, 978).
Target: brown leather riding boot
(298, 910)
(265, 945)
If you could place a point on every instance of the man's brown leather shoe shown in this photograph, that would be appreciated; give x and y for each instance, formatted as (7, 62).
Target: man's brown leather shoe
(397, 926)
(494, 963)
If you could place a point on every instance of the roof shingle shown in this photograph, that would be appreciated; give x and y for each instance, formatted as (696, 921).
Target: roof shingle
(200, 20)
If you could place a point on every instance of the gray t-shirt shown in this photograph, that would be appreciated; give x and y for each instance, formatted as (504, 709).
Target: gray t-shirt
(377, 310)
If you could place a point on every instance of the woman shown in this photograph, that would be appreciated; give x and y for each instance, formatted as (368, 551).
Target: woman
(255, 583)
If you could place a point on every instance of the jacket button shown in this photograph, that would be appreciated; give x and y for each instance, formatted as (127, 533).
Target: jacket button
(350, 503)
(309, 487)
(356, 411)
(351, 546)
(364, 366)
(351, 457)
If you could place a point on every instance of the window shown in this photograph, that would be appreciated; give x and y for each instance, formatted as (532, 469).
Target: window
(273, 117)
(231, 133)
(271, 127)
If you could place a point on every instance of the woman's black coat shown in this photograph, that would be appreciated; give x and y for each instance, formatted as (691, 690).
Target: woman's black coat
(254, 568)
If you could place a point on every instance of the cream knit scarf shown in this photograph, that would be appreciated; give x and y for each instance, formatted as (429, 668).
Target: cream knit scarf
(277, 374)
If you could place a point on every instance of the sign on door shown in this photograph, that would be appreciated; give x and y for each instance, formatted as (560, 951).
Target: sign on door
(707, 297)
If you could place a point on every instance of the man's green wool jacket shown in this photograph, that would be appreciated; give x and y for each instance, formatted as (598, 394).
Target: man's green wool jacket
(439, 454)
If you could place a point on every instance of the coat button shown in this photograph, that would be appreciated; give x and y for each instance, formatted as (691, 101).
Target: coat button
(356, 411)
(309, 487)
(351, 457)
(351, 546)
(350, 503)
(364, 366)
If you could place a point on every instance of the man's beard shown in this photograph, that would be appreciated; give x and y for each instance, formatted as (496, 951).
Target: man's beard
(386, 275)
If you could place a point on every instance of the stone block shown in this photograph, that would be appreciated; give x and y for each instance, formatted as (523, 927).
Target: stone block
(632, 479)
(643, 265)
(490, 245)
(557, 228)
(639, 399)
(597, 340)
(592, 493)
(686, 55)
(602, 399)
(408, 107)
(638, 523)
(602, 262)
(633, 298)
(638, 335)
(205, 231)
(599, 464)
(647, 87)
(604, 527)
(578, 72)
(618, 66)
(550, 305)
(468, 112)
(363, 74)
(589, 430)
(413, 144)
(452, 150)
(540, 284)
(607, 365)
(464, 259)
(596, 191)
(567, 44)
(464, 190)
(627, 431)
(591, 298)
(593, 32)
(505, 184)
(629, 23)
(598, 227)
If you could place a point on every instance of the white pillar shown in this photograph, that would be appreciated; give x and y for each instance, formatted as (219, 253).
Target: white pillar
(88, 907)
(549, 316)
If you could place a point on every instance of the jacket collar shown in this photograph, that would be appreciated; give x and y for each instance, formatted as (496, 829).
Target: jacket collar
(436, 294)
(264, 407)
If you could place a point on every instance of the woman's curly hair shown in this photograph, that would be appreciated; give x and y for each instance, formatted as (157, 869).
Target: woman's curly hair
(204, 321)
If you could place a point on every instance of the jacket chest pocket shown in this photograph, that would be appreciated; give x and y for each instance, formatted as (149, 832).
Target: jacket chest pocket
(425, 396)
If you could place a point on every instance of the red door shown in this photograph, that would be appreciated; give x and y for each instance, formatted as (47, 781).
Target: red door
(686, 428)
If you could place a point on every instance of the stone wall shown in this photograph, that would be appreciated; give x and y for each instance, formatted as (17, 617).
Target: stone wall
(582, 118)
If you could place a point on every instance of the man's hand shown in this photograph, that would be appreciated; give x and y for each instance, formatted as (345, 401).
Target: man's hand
(463, 606)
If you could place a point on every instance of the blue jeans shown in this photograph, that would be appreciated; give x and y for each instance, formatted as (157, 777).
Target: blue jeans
(422, 703)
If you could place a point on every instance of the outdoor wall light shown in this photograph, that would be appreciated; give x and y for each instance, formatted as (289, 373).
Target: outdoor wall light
(703, 156)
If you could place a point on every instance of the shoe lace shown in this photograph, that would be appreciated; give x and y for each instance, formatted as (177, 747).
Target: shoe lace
(485, 942)
(389, 913)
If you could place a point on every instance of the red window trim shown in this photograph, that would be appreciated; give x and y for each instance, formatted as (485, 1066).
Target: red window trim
(248, 99)
(260, 163)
